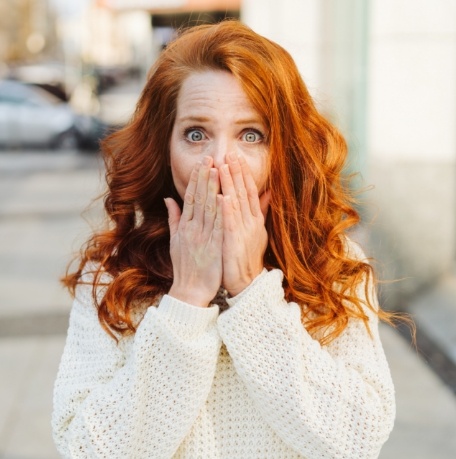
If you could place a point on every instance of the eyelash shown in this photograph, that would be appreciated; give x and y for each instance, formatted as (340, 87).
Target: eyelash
(244, 132)
(188, 130)
(255, 131)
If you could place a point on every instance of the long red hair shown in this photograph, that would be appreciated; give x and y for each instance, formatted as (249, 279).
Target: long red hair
(311, 207)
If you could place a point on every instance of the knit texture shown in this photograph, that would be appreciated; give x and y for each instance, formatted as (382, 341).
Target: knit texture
(248, 382)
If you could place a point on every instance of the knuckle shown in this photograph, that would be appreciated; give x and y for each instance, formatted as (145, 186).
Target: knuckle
(209, 209)
(241, 194)
(189, 198)
(218, 224)
(198, 198)
(194, 175)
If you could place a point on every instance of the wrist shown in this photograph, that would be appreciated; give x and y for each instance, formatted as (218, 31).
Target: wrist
(190, 296)
(241, 286)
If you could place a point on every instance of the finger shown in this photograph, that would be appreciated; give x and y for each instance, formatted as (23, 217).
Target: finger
(265, 198)
(201, 189)
(250, 187)
(217, 232)
(226, 181)
(189, 198)
(237, 175)
(174, 215)
(228, 189)
(210, 208)
(228, 214)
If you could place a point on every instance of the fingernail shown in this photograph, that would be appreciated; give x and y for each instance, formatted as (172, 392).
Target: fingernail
(207, 161)
(225, 169)
(232, 156)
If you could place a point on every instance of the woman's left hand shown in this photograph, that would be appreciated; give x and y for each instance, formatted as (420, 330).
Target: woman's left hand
(244, 235)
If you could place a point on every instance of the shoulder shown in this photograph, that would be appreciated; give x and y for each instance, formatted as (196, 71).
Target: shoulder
(91, 289)
(354, 250)
(93, 279)
(84, 317)
(365, 288)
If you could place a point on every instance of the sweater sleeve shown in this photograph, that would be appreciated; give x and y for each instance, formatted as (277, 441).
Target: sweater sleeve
(138, 397)
(324, 402)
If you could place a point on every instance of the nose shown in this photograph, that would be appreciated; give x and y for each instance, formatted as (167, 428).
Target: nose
(220, 149)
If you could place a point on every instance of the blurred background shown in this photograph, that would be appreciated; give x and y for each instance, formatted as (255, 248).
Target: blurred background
(384, 71)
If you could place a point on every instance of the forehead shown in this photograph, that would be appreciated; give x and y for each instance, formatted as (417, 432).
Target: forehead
(213, 89)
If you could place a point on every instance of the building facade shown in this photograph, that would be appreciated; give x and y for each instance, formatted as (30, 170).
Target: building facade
(384, 71)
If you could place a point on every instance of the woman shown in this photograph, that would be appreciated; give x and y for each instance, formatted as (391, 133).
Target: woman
(224, 313)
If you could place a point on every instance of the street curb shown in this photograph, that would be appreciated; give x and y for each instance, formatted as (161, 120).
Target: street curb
(432, 353)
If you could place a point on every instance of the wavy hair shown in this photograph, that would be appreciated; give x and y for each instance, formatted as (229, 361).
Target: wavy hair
(311, 207)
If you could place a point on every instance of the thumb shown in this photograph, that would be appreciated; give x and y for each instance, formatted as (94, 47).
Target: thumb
(264, 202)
(174, 214)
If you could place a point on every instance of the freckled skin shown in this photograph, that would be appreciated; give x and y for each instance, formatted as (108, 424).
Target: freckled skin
(215, 106)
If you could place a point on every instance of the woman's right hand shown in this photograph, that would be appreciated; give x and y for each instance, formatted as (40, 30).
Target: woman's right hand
(196, 238)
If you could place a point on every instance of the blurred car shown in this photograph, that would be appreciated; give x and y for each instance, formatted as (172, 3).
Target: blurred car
(32, 116)
(89, 131)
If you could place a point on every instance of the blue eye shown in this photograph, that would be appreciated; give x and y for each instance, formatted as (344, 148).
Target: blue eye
(252, 136)
(194, 135)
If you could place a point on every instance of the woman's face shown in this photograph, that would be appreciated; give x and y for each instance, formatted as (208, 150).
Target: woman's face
(214, 117)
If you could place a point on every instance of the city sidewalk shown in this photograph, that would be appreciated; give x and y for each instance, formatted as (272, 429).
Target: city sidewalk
(434, 312)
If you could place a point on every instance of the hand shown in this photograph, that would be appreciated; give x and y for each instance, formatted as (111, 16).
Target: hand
(196, 237)
(244, 235)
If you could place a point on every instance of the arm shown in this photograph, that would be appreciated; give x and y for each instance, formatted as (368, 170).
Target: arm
(331, 402)
(138, 398)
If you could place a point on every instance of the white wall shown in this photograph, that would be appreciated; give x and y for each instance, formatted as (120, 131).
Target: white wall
(295, 25)
(412, 139)
(413, 80)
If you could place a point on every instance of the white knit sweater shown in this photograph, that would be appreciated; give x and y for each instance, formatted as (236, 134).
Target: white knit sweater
(248, 382)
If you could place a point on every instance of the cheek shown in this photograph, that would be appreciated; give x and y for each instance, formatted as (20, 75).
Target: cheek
(177, 165)
(179, 177)
(181, 168)
(259, 172)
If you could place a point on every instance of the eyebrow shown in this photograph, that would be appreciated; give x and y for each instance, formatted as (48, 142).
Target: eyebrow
(204, 119)
(198, 119)
(249, 121)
